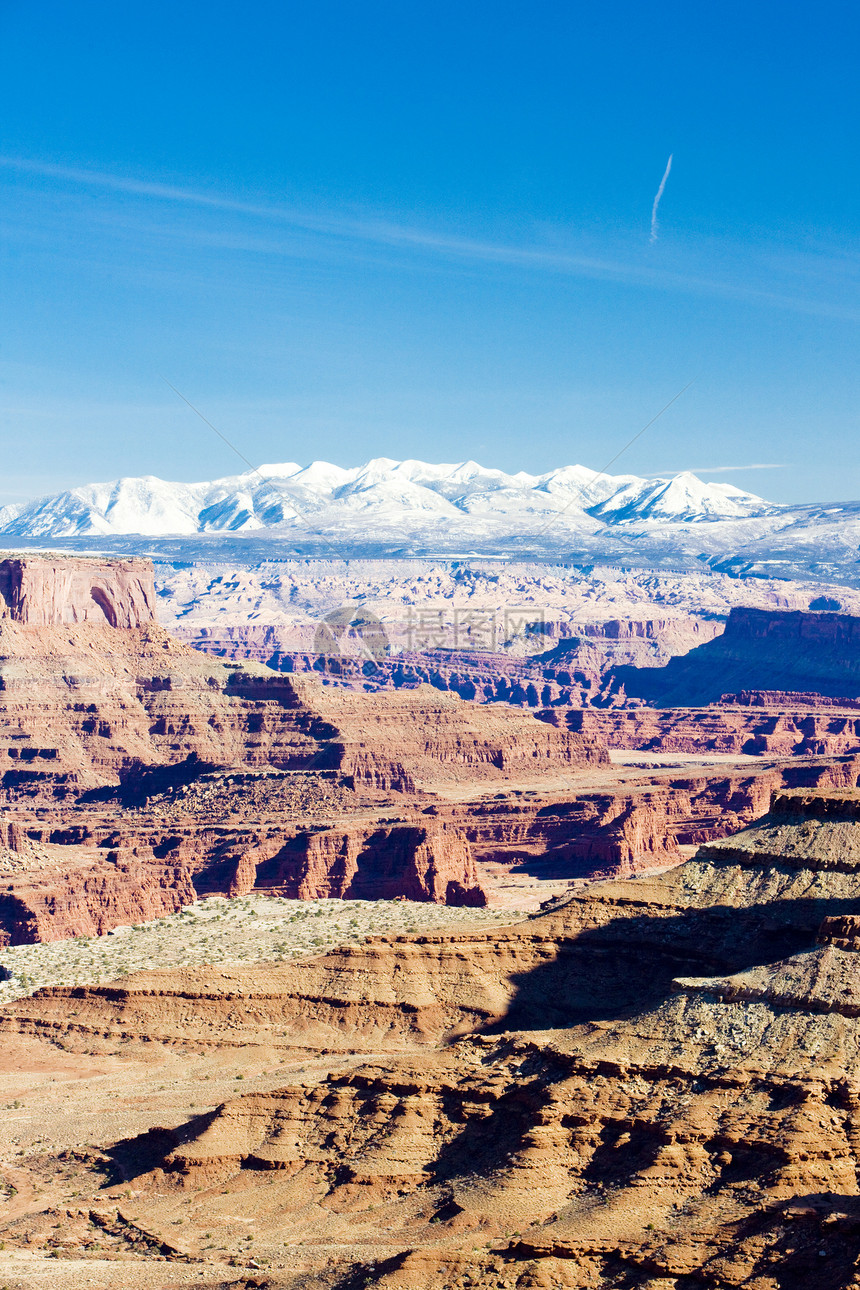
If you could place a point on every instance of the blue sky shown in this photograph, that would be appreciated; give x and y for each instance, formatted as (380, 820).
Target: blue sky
(353, 228)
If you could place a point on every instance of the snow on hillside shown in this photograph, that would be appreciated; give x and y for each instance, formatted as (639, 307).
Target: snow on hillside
(683, 498)
(413, 496)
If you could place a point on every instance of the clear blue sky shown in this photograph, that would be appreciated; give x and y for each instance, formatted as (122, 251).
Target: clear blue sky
(352, 228)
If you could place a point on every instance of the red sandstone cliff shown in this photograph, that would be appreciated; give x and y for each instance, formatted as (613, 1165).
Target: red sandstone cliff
(94, 694)
(784, 727)
(84, 703)
(83, 706)
(759, 650)
(49, 892)
(417, 861)
(52, 591)
(103, 871)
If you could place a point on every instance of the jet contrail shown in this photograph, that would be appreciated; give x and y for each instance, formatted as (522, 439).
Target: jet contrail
(657, 198)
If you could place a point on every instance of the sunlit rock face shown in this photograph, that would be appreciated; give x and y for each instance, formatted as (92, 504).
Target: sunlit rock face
(55, 592)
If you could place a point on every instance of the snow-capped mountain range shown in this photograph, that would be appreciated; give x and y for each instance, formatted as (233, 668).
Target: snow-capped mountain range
(411, 508)
(391, 494)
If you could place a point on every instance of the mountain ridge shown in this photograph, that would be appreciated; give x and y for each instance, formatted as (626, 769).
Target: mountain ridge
(263, 498)
(407, 509)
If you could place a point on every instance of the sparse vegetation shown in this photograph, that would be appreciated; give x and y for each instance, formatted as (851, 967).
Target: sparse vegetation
(247, 929)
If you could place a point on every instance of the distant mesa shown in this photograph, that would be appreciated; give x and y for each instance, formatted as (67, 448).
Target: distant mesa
(759, 651)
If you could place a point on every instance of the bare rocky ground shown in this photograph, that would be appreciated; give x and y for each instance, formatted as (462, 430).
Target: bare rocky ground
(59, 1109)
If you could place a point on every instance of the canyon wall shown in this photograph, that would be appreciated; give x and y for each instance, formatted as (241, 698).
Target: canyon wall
(604, 664)
(210, 776)
(88, 879)
(785, 727)
(113, 868)
(84, 705)
(102, 710)
(55, 591)
(49, 892)
(567, 666)
(759, 650)
(410, 862)
(421, 738)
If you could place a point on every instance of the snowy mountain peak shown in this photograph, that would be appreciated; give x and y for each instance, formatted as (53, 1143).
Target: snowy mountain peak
(278, 470)
(683, 497)
(386, 499)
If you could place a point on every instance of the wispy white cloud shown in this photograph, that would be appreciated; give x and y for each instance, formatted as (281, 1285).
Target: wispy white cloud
(656, 205)
(380, 231)
(352, 232)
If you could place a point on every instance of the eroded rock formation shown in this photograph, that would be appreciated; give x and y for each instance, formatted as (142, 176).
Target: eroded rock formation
(568, 665)
(651, 1085)
(59, 591)
(128, 715)
(102, 708)
(82, 706)
(789, 725)
(308, 835)
(416, 862)
(759, 650)
(51, 892)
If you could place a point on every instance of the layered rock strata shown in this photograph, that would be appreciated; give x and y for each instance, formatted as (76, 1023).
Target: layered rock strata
(84, 881)
(793, 726)
(51, 892)
(600, 664)
(87, 706)
(568, 664)
(59, 591)
(84, 699)
(753, 897)
(759, 650)
(306, 835)
(83, 706)
(555, 644)
(415, 862)
(99, 704)
(652, 1085)
(79, 709)
(632, 827)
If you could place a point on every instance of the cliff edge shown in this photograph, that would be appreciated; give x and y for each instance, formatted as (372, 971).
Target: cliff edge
(56, 591)
(759, 650)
